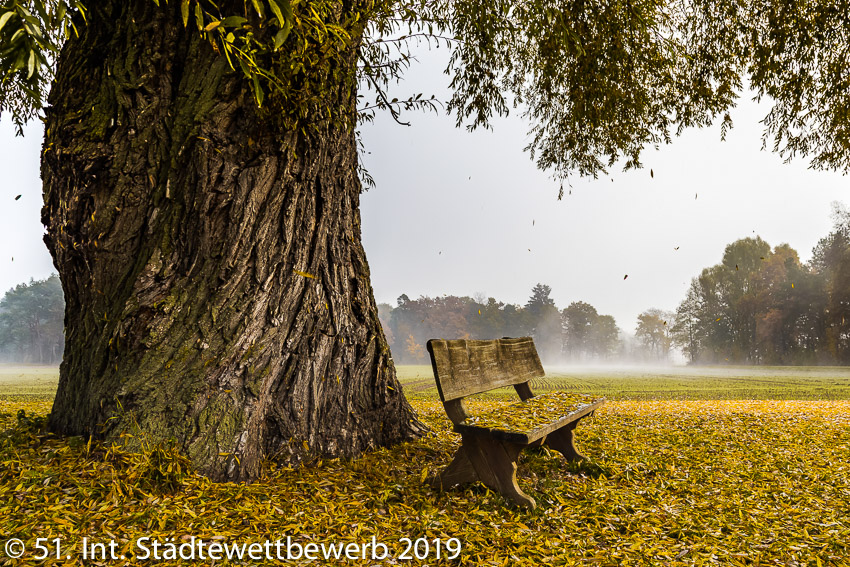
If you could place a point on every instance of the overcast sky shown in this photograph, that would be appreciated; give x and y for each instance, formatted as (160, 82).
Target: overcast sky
(462, 213)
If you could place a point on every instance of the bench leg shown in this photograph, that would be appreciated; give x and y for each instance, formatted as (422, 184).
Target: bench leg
(459, 471)
(490, 461)
(562, 441)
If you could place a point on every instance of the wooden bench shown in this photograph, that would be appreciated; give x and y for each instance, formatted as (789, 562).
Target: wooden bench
(491, 442)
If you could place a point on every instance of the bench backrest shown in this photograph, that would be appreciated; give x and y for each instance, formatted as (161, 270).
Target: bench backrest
(463, 368)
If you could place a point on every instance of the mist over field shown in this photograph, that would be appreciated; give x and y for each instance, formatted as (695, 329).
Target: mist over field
(760, 305)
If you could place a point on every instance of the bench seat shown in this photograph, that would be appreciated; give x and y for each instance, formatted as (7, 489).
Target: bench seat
(525, 422)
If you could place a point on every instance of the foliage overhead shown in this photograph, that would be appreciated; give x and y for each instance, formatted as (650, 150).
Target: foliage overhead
(597, 81)
(31, 33)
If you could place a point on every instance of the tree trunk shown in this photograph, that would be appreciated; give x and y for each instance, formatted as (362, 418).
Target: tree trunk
(216, 287)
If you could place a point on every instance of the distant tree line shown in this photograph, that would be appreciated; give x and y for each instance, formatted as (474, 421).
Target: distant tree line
(31, 322)
(761, 305)
(577, 332)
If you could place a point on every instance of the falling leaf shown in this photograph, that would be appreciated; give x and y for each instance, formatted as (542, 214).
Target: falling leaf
(792, 286)
(736, 267)
(718, 319)
(304, 274)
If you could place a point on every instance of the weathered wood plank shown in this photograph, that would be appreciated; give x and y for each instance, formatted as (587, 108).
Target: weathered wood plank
(466, 367)
(527, 436)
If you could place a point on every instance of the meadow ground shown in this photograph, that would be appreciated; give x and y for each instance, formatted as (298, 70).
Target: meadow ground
(713, 466)
(672, 382)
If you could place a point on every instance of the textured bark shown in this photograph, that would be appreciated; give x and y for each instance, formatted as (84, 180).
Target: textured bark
(179, 217)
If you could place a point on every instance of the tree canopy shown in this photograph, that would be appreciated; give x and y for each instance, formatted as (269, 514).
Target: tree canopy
(31, 322)
(597, 81)
(577, 333)
(762, 305)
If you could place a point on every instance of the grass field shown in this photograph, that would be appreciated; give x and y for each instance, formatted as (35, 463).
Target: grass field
(613, 383)
(720, 478)
(37, 382)
(663, 383)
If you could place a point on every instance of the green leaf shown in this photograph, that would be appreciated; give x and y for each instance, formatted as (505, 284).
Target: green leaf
(287, 24)
(280, 37)
(31, 64)
(283, 11)
(233, 21)
(184, 11)
(5, 18)
(199, 16)
(258, 90)
(258, 7)
(244, 67)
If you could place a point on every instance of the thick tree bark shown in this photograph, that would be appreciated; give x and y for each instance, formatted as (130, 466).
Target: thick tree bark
(216, 288)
